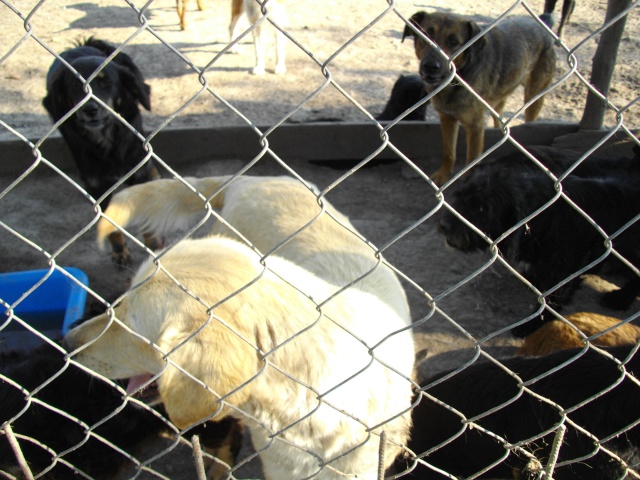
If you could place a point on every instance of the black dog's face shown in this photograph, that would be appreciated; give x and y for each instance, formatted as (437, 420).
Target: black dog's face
(450, 32)
(105, 86)
(482, 201)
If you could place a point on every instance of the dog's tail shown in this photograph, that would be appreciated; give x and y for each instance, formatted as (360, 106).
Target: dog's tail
(159, 206)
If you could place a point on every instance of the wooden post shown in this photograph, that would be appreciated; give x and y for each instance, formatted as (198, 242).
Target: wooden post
(604, 62)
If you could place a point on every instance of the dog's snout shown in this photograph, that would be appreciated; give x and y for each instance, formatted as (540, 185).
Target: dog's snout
(430, 66)
(91, 109)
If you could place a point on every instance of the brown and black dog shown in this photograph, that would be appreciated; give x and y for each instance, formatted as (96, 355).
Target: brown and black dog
(517, 51)
(181, 8)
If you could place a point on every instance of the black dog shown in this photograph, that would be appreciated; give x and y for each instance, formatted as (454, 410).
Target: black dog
(103, 148)
(406, 92)
(558, 241)
(90, 400)
(567, 10)
(483, 386)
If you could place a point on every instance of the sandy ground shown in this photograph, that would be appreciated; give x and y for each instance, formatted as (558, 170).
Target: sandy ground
(390, 204)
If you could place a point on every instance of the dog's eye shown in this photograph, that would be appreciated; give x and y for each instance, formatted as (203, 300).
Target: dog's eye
(453, 42)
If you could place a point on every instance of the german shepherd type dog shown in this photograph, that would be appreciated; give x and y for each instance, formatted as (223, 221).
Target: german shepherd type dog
(304, 336)
(517, 51)
(558, 241)
(104, 149)
(465, 450)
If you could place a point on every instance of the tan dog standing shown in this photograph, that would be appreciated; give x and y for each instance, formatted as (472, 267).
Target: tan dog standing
(517, 51)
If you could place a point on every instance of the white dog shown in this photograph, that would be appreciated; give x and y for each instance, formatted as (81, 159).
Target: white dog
(314, 371)
(253, 9)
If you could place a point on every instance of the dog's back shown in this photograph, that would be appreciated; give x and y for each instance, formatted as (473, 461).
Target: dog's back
(266, 211)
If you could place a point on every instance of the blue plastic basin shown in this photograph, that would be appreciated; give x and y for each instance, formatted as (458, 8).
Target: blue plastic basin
(54, 305)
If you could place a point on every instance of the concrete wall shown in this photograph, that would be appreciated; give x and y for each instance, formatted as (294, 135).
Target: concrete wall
(420, 141)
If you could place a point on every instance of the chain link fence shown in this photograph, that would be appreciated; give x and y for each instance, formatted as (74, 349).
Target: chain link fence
(491, 397)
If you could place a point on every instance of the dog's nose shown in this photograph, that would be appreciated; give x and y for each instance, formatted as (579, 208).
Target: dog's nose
(91, 109)
(430, 67)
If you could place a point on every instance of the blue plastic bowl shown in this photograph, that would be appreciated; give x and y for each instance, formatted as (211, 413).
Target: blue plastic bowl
(55, 305)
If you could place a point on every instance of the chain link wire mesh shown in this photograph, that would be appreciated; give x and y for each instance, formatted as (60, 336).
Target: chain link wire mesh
(47, 394)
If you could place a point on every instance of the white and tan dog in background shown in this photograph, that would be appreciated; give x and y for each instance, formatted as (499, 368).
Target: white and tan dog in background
(253, 10)
(310, 374)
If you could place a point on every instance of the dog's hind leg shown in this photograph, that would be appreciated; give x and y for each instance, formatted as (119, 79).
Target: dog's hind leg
(499, 108)
(281, 43)
(181, 7)
(567, 10)
(540, 79)
(236, 13)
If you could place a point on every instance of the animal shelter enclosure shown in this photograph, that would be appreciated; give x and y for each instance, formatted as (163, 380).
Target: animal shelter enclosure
(520, 270)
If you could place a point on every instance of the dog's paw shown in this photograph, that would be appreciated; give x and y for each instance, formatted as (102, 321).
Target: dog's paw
(281, 69)
(257, 70)
(440, 176)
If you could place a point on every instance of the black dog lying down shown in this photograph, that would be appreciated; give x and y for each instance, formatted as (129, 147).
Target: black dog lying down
(90, 400)
(483, 386)
(103, 148)
(406, 92)
(559, 241)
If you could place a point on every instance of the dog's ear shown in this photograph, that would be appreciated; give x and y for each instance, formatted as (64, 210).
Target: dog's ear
(416, 19)
(474, 29)
(56, 102)
(133, 81)
(216, 357)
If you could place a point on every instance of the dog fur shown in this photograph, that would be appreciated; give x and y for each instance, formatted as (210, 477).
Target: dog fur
(253, 10)
(257, 304)
(567, 10)
(517, 51)
(103, 148)
(406, 92)
(558, 241)
(181, 8)
(266, 211)
(483, 386)
(559, 335)
(80, 395)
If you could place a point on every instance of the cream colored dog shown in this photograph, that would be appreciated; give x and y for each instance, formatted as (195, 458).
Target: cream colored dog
(266, 211)
(315, 373)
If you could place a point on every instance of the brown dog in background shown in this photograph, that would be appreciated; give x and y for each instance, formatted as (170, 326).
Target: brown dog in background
(181, 8)
(557, 335)
(504, 58)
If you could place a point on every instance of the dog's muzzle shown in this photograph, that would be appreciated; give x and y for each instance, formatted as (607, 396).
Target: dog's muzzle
(432, 70)
(92, 116)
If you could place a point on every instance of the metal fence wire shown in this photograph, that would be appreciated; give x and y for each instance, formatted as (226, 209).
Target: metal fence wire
(519, 370)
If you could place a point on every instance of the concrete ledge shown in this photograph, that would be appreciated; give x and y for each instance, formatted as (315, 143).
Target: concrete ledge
(331, 141)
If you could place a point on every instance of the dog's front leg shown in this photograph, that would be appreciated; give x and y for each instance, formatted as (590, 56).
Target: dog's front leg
(449, 126)
(281, 48)
(475, 140)
(258, 46)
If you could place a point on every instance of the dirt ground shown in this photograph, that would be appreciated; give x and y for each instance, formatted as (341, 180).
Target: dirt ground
(390, 204)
